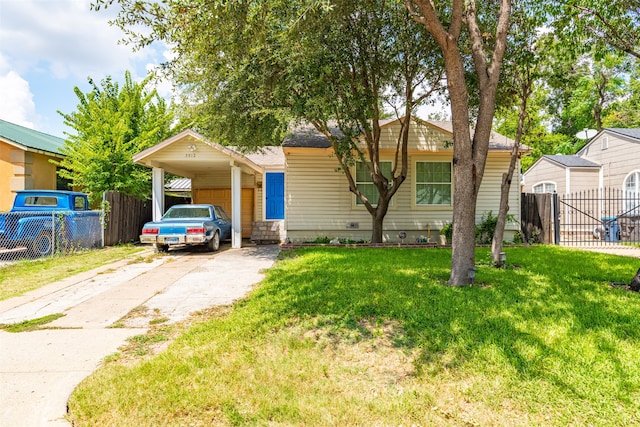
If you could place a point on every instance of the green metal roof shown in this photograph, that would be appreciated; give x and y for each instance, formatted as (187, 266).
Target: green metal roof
(29, 138)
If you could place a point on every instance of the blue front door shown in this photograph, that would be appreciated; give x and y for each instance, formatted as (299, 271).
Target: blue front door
(275, 195)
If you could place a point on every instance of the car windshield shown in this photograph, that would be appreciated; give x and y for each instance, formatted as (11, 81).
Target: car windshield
(187, 212)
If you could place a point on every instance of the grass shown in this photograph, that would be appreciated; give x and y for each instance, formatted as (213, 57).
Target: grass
(30, 325)
(337, 336)
(26, 275)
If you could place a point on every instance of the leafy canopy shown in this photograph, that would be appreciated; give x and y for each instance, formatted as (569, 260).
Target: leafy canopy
(112, 123)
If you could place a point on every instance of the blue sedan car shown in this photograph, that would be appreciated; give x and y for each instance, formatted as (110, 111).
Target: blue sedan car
(204, 225)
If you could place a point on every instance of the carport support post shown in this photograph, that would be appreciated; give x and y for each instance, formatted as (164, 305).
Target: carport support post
(236, 206)
(157, 191)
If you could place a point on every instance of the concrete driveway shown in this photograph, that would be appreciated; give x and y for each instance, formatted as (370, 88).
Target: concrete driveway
(40, 369)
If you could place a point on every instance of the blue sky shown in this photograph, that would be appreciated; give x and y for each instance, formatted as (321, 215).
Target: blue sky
(48, 47)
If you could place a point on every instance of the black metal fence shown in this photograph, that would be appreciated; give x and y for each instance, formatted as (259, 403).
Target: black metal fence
(598, 217)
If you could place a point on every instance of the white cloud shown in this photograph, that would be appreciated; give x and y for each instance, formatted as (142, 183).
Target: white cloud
(17, 100)
(64, 38)
(49, 46)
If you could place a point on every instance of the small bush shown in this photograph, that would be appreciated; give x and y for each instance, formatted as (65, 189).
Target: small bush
(487, 227)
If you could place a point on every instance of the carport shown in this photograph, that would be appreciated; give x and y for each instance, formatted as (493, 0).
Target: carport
(218, 174)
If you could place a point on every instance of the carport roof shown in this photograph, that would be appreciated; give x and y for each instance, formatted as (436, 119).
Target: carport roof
(188, 154)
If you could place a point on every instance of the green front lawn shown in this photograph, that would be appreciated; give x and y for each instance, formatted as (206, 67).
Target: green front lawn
(23, 276)
(338, 336)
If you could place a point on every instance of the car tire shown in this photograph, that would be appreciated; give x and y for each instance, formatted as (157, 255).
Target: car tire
(159, 248)
(42, 245)
(214, 244)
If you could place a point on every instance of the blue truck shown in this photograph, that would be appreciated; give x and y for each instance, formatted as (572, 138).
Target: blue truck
(44, 221)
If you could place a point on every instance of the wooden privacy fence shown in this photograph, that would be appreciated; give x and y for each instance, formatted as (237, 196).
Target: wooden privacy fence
(125, 216)
(536, 212)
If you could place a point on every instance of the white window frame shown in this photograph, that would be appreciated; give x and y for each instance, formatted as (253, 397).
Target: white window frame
(357, 203)
(544, 185)
(628, 208)
(604, 143)
(415, 184)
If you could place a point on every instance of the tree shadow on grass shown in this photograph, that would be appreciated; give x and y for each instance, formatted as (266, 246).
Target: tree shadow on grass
(554, 323)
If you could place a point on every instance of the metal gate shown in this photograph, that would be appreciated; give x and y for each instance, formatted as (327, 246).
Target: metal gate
(598, 217)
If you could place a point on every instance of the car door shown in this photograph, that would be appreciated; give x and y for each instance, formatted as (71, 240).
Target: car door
(224, 222)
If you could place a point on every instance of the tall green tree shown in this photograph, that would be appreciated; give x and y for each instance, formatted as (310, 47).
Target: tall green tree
(625, 111)
(253, 69)
(111, 124)
(458, 27)
(521, 71)
(612, 24)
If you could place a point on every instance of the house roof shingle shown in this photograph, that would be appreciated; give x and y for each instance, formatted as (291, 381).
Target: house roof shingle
(29, 138)
(307, 136)
(571, 161)
(267, 156)
(630, 132)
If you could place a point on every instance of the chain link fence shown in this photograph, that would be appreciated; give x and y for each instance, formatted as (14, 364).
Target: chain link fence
(45, 233)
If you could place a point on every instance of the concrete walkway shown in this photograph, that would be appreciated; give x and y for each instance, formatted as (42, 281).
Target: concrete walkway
(40, 369)
(611, 249)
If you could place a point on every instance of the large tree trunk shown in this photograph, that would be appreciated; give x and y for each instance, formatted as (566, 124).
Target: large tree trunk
(464, 213)
(469, 156)
(377, 228)
(635, 282)
(377, 220)
(464, 174)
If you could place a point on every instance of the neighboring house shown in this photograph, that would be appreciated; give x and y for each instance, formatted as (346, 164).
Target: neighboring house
(610, 160)
(299, 191)
(179, 186)
(24, 161)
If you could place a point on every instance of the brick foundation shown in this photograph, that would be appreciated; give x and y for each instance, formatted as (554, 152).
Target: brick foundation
(268, 232)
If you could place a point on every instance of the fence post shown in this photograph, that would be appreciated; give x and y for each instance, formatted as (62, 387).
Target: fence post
(103, 218)
(555, 213)
(53, 233)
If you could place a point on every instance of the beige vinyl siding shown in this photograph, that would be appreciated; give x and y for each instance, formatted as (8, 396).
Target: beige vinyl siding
(490, 189)
(319, 203)
(259, 214)
(545, 171)
(180, 151)
(584, 179)
(620, 158)
(421, 137)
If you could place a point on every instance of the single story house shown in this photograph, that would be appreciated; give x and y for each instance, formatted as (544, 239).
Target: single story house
(610, 160)
(24, 161)
(297, 191)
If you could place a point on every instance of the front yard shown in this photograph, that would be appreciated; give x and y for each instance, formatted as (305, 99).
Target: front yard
(338, 336)
(22, 276)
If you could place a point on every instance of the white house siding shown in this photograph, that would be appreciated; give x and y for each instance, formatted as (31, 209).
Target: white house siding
(620, 158)
(584, 179)
(546, 171)
(489, 194)
(319, 203)
(423, 138)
